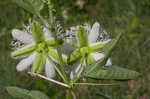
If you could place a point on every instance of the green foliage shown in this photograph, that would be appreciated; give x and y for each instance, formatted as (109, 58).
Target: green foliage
(18, 92)
(113, 72)
(128, 16)
(32, 6)
(26, 94)
(99, 71)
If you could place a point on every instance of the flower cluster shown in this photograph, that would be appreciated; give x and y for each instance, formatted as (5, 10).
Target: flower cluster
(38, 44)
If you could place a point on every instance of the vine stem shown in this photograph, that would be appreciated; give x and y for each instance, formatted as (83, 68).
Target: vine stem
(69, 91)
(49, 79)
(73, 94)
(94, 84)
(58, 71)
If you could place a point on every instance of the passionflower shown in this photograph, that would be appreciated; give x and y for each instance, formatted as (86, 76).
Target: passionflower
(88, 49)
(38, 45)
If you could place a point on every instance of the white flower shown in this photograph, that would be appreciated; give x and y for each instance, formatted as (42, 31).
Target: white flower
(85, 42)
(27, 40)
(92, 37)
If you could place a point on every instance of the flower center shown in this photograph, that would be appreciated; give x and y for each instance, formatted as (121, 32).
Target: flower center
(42, 47)
(84, 51)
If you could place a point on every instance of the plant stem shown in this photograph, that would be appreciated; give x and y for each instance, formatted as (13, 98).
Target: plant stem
(94, 84)
(68, 94)
(56, 68)
(76, 74)
(52, 28)
(49, 79)
(73, 94)
(60, 57)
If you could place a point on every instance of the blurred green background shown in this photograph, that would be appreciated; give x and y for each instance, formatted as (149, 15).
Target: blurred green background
(132, 17)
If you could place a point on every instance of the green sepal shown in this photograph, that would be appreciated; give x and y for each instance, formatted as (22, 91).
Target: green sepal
(39, 61)
(53, 53)
(50, 42)
(24, 51)
(96, 47)
(84, 51)
(74, 56)
(41, 65)
(32, 6)
(82, 36)
(37, 32)
(89, 60)
(113, 72)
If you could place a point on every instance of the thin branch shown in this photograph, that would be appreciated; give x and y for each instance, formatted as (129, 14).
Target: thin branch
(49, 79)
(73, 94)
(94, 84)
(56, 68)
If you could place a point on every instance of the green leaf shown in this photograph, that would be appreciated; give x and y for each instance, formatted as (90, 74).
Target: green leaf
(24, 51)
(82, 36)
(38, 95)
(108, 47)
(97, 70)
(74, 56)
(37, 32)
(32, 6)
(26, 94)
(112, 72)
(18, 92)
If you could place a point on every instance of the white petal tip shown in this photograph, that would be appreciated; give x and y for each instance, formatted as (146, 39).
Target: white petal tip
(15, 32)
(96, 24)
(109, 62)
(20, 68)
(49, 70)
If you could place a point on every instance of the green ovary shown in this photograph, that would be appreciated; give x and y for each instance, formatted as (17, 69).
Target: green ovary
(42, 47)
(84, 51)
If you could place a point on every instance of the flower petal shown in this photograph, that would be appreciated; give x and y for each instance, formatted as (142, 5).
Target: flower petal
(109, 62)
(22, 36)
(49, 69)
(97, 56)
(92, 37)
(25, 63)
(47, 33)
